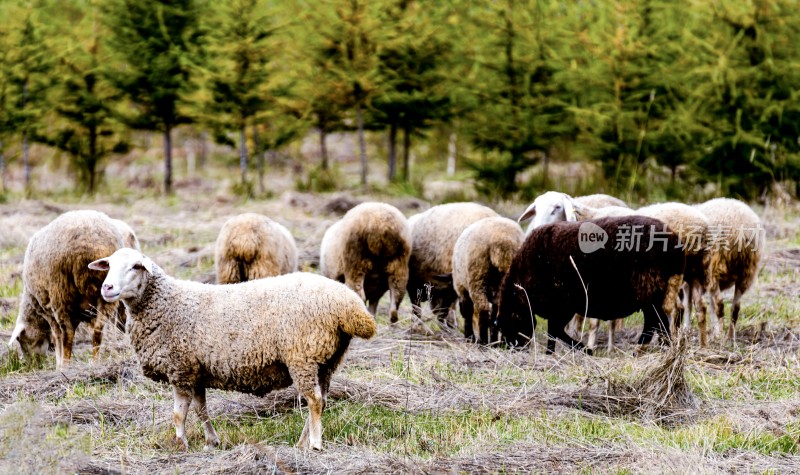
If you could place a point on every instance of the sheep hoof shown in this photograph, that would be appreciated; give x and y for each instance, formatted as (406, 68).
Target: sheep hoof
(211, 444)
(589, 351)
(181, 445)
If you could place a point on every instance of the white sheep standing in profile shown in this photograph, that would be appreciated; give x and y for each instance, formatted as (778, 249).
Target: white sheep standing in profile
(368, 250)
(252, 337)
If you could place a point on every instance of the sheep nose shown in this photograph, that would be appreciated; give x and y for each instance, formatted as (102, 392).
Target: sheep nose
(107, 287)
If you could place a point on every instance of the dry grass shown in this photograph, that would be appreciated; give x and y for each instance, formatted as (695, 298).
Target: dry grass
(417, 398)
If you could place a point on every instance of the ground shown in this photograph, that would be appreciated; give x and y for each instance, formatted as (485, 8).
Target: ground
(415, 398)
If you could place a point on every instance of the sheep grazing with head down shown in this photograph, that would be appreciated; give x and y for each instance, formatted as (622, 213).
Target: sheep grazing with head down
(434, 234)
(481, 256)
(251, 246)
(368, 250)
(59, 291)
(553, 207)
(736, 241)
(252, 337)
(557, 274)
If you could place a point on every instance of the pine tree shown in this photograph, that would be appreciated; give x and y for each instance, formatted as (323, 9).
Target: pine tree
(414, 91)
(87, 130)
(241, 78)
(158, 43)
(28, 82)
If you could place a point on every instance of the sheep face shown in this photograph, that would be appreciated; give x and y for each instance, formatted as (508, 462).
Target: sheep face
(128, 271)
(549, 208)
(32, 332)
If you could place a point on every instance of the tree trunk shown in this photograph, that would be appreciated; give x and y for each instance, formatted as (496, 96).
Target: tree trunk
(168, 160)
(259, 160)
(406, 152)
(392, 151)
(92, 163)
(202, 150)
(25, 151)
(451, 155)
(362, 145)
(243, 152)
(2, 169)
(323, 149)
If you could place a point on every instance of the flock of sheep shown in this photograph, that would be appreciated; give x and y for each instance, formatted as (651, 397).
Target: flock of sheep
(274, 327)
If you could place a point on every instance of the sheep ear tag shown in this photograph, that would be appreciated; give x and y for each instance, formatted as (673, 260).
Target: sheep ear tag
(99, 264)
(528, 214)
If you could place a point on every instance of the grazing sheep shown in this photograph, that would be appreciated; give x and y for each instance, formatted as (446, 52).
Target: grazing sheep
(434, 234)
(59, 291)
(252, 337)
(368, 249)
(556, 275)
(251, 246)
(736, 242)
(552, 207)
(481, 257)
(691, 226)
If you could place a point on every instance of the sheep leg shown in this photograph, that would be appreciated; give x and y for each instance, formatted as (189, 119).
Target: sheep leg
(67, 337)
(179, 412)
(97, 336)
(612, 324)
(593, 324)
(696, 292)
(735, 307)
(397, 271)
(373, 307)
(717, 310)
(467, 310)
(557, 331)
(212, 440)
(484, 324)
(313, 434)
(576, 325)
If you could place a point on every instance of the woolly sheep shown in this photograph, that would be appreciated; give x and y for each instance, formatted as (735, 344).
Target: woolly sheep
(554, 206)
(433, 235)
(691, 226)
(59, 291)
(481, 256)
(736, 243)
(368, 250)
(251, 246)
(252, 337)
(555, 277)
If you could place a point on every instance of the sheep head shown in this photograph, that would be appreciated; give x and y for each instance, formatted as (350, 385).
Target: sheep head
(549, 208)
(128, 273)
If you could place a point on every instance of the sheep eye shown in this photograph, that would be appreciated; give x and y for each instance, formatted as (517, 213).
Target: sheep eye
(138, 267)
(556, 209)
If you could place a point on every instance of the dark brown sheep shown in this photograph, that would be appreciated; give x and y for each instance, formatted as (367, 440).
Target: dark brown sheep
(617, 279)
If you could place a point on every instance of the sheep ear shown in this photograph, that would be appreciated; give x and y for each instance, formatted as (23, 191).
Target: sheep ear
(528, 214)
(569, 209)
(145, 264)
(99, 264)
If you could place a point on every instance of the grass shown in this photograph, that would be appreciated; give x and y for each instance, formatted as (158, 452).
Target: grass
(416, 398)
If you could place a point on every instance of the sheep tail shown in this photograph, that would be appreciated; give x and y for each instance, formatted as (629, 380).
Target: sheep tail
(359, 323)
(245, 246)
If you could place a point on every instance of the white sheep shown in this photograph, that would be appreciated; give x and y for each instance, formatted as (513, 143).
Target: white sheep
(554, 206)
(252, 337)
(433, 235)
(58, 291)
(251, 246)
(368, 250)
(736, 243)
(481, 256)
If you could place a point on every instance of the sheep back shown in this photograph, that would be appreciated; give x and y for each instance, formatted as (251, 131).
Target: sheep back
(251, 337)
(252, 246)
(434, 234)
(599, 200)
(618, 283)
